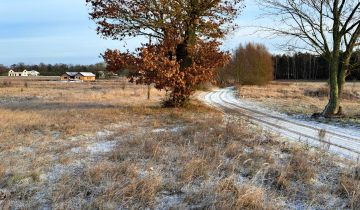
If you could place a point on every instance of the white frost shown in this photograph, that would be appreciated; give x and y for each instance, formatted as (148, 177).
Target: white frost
(101, 147)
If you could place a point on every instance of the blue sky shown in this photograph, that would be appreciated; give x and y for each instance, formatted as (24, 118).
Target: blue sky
(59, 31)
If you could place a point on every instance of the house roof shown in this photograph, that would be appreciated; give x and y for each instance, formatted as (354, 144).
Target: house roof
(87, 74)
(19, 72)
(71, 74)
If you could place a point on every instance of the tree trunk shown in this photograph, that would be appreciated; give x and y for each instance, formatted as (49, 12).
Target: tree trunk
(333, 104)
(344, 68)
(179, 95)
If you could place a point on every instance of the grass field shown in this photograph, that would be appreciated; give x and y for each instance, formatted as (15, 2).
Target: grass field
(103, 145)
(304, 98)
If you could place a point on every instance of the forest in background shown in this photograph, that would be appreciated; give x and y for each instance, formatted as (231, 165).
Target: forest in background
(306, 66)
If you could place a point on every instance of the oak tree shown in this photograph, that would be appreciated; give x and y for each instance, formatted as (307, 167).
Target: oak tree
(185, 40)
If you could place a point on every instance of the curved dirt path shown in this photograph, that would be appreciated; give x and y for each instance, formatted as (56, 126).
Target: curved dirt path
(342, 141)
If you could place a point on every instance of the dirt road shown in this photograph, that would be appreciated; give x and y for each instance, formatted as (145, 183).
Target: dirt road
(339, 140)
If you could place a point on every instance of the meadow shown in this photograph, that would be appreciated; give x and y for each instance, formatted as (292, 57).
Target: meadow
(104, 145)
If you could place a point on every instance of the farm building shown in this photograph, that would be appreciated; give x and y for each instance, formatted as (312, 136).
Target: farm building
(83, 76)
(24, 73)
(68, 76)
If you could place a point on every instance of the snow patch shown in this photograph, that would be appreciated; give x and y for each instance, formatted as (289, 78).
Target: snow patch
(101, 147)
(172, 130)
(25, 149)
(166, 201)
(159, 130)
(104, 133)
(76, 150)
(59, 170)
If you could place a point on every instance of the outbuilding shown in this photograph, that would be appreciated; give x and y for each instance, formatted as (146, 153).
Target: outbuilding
(68, 76)
(85, 76)
(78, 76)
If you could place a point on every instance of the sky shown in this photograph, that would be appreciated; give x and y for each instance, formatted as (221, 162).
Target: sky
(60, 31)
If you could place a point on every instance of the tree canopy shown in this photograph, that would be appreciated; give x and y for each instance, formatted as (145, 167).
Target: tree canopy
(184, 38)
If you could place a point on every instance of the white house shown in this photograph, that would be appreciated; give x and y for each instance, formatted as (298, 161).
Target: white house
(33, 73)
(14, 74)
(24, 73)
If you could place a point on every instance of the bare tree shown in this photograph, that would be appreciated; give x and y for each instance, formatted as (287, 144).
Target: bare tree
(327, 27)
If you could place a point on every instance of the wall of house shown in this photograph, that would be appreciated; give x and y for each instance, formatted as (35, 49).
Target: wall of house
(22, 74)
(64, 77)
(77, 77)
(87, 78)
(15, 74)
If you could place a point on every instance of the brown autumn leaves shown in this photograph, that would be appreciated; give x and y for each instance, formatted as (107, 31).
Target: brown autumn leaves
(184, 48)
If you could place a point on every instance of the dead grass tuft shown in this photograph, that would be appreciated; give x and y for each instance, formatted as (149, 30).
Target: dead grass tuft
(2, 171)
(153, 148)
(142, 191)
(300, 167)
(196, 168)
(319, 92)
(233, 149)
(77, 195)
(231, 196)
(349, 187)
(323, 92)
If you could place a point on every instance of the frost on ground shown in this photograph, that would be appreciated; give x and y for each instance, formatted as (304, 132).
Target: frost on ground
(102, 147)
(182, 159)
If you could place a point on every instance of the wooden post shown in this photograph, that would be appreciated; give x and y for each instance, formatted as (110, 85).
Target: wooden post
(149, 86)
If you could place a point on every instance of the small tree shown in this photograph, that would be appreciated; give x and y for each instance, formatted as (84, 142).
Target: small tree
(183, 32)
(250, 65)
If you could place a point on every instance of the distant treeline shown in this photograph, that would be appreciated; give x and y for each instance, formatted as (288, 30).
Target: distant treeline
(53, 70)
(299, 66)
(305, 66)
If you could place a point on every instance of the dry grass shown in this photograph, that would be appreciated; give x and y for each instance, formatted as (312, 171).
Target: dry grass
(196, 169)
(73, 147)
(231, 196)
(303, 98)
(349, 187)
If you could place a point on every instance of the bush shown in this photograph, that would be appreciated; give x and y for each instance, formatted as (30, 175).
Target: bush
(250, 65)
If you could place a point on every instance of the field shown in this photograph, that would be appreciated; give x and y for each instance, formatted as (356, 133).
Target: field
(304, 98)
(103, 145)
